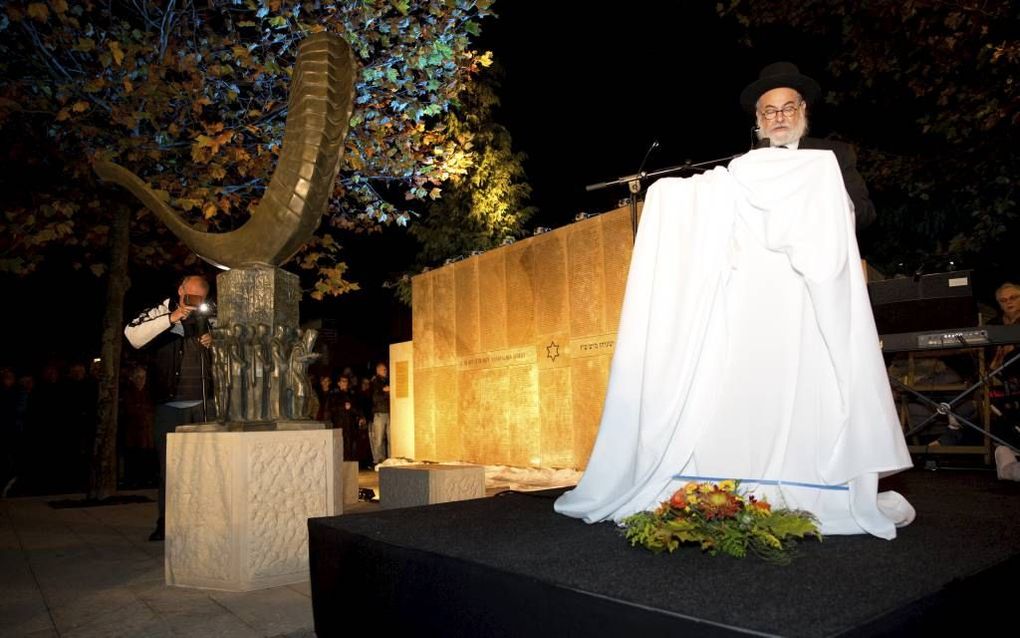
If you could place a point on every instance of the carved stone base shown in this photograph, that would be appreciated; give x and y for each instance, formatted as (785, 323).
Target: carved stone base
(415, 485)
(255, 426)
(238, 503)
(257, 294)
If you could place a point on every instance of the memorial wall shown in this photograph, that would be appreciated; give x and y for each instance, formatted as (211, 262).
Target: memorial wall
(512, 348)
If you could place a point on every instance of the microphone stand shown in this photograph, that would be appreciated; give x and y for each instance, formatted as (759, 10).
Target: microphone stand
(634, 182)
(203, 325)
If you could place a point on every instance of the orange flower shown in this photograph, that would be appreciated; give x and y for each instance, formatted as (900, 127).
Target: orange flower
(679, 500)
(719, 504)
(762, 506)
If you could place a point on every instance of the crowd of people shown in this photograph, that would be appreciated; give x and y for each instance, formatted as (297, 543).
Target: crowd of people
(360, 407)
(48, 424)
(47, 421)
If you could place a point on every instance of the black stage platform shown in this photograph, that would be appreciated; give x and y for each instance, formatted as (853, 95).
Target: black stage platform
(510, 566)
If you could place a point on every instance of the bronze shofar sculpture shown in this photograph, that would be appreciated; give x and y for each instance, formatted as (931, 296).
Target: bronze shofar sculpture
(319, 113)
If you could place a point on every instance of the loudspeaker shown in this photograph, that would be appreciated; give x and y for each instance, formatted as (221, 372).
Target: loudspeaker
(939, 301)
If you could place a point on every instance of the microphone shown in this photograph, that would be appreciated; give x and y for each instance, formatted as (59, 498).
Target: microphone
(648, 154)
(758, 143)
(920, 270)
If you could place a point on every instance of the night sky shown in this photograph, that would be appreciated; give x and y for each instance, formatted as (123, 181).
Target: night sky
(585, 92)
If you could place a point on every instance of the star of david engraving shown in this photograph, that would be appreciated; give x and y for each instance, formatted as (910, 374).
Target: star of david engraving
(552, 351)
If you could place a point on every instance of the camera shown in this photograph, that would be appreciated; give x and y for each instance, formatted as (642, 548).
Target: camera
(205, 309)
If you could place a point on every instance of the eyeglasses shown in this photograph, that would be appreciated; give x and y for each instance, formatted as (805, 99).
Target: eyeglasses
(770, 112)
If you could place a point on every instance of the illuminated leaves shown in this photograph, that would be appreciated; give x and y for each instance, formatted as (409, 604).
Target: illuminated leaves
(484, 203)
(196, 105)
(205, 146)
(38, 11)
(118, 54)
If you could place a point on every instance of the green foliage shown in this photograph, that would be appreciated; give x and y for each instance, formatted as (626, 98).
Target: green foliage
(786, 523)
(192, 97)
(741, 525)
(928, 91)
(644, 529)
(485, 206)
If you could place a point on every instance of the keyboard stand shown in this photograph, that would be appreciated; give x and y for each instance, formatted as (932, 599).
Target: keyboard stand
(947, 408)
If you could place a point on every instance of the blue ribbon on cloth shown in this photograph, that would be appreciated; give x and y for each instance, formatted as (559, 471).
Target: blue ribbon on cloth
(702, 479)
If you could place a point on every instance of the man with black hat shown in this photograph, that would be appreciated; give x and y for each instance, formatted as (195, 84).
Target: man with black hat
(779, 100)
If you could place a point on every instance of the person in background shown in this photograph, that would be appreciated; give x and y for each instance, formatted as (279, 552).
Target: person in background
(10, 434)
(346, 414)
(137, 427)
(1006, 394)
(80, 391)
(364, 400)
(52, 440)
(24, 423)
(323, 389)
(380, 430)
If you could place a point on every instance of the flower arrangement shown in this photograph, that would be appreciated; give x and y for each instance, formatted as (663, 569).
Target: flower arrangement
(719, 518)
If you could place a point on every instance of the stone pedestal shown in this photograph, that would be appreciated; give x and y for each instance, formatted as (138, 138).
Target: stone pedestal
(402, 400)
(350, 482)
(237, 505)
(414, 485)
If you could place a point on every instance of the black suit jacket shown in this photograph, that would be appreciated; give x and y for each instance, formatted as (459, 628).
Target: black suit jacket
(864, 210)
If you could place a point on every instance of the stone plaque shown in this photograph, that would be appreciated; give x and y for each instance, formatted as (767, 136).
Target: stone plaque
(525, 443)
(585, 283)
(550, 281)
(448, 423)
(401, 372)
(556, 418)
(444, 325)
(617, 243)
(424, 415)
(421, 320)
(467, 336)
(492, 319)
(588, 379)
(520, 295)
(512, 348)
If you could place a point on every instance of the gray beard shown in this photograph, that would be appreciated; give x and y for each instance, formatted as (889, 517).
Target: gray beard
(792, 135)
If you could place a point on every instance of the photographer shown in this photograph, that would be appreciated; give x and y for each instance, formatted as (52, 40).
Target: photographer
(177, 334)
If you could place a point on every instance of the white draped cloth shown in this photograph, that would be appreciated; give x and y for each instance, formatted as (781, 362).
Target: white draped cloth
(747, 350)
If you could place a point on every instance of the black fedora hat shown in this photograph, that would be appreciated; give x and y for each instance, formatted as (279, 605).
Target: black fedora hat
(775, 75)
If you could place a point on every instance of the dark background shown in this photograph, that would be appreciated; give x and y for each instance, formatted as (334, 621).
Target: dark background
(585, 90)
